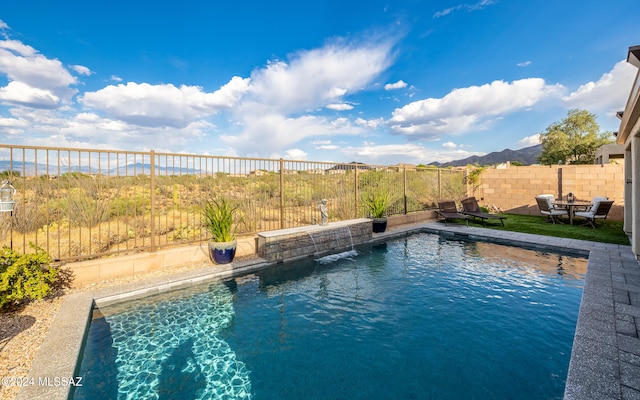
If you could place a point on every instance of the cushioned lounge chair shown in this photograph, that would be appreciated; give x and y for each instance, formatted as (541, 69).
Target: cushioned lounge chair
(594, 202)
(545, 203)
(472, 209)
(447, 209)
(599, 210)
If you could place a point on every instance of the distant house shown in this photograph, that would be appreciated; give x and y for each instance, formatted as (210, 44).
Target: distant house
(629, 137)
(408, 167)
(258, 172)
(610, 153)
(343, 168)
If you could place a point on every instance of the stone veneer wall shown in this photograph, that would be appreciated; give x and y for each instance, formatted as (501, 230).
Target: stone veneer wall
(304, 241)
(514, 188)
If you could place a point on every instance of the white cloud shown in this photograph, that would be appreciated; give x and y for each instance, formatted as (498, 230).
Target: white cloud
(281, 103)
(607, 94)
(339, 106)
(449, 145)
(88, 129)
(325, 145)
(81, 69)
(524, 64)
(3, 25)
(19, 93)
(282, 97)
(12, 126)
(468, 7)
(315, 78)
(271, 132)
(44, 79)
(398, 85)
(369, 123)
(409, 153)
(529, 141)
(295, 154)
(465, 109)
(163, 105)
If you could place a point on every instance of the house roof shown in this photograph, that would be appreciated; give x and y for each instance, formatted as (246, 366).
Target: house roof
(633, 57)
(631, 112)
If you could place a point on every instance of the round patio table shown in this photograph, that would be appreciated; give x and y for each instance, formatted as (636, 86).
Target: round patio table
(571, 206)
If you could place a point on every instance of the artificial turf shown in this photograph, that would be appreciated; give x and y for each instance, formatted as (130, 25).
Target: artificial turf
(606, 231)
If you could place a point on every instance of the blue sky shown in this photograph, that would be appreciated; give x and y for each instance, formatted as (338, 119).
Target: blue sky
(370, 81)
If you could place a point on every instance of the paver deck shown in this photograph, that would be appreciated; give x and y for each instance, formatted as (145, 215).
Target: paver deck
(605, 360)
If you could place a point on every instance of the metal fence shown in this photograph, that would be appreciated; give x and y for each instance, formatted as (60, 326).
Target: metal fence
(85, 203)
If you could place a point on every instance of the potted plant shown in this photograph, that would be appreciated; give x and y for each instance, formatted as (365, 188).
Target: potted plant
(377, 206)
(218, 215)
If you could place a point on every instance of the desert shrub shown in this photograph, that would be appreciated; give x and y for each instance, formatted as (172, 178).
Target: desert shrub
(88, 212)
(129, 206)
(28, 217)
(25, 277)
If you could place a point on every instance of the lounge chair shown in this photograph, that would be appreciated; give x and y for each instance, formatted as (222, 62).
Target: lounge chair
(447, 209)
(599, 210)
(546, 208)
(471, 208)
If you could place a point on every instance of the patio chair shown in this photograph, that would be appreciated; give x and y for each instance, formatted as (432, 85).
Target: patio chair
(594, 204)
(546, 208)
(447, 209)
(600, 210)
(471, 208)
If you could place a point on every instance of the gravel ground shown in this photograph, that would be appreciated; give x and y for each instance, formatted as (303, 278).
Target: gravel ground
(23, 331)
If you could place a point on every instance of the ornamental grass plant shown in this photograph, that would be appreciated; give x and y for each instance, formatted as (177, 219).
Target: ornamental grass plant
(218, 216)
(377, 204)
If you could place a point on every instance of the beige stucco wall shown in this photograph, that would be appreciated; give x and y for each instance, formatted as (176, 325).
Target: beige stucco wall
(514, 189)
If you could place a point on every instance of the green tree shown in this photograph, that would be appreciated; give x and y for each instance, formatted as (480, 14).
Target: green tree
(574, 140)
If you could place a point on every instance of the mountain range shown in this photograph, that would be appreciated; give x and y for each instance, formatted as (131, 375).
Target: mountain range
(525, 156)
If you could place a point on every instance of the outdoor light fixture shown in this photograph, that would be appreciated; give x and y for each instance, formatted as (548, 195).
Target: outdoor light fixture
(7, 191)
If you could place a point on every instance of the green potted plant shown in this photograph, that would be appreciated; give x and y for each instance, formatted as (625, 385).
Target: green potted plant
(377, 204)
(218, 216)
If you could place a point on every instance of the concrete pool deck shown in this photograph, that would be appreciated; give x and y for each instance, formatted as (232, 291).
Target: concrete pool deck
(605, 361)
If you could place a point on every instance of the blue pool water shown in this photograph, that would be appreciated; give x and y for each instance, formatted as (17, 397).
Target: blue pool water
(419, 317)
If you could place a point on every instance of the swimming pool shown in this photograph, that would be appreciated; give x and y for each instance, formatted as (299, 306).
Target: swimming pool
(416, 317)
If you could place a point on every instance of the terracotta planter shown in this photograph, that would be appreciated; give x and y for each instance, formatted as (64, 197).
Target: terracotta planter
(222, 252)
(379, 225)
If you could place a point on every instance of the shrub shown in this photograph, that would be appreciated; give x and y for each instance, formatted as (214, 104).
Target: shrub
(25, 277)
(129, 206)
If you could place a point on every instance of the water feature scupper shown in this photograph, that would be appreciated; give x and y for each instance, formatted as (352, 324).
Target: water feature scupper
(313, 240)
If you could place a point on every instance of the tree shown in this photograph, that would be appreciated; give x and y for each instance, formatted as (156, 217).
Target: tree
(574, 140)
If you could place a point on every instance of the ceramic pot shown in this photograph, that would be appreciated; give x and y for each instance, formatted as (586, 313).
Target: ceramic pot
(379, 225)
(222, 252)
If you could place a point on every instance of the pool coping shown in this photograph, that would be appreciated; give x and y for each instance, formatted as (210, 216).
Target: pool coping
(605, 359)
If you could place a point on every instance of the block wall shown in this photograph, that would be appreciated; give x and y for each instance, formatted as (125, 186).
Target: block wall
(89, 271)
(514, 189)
